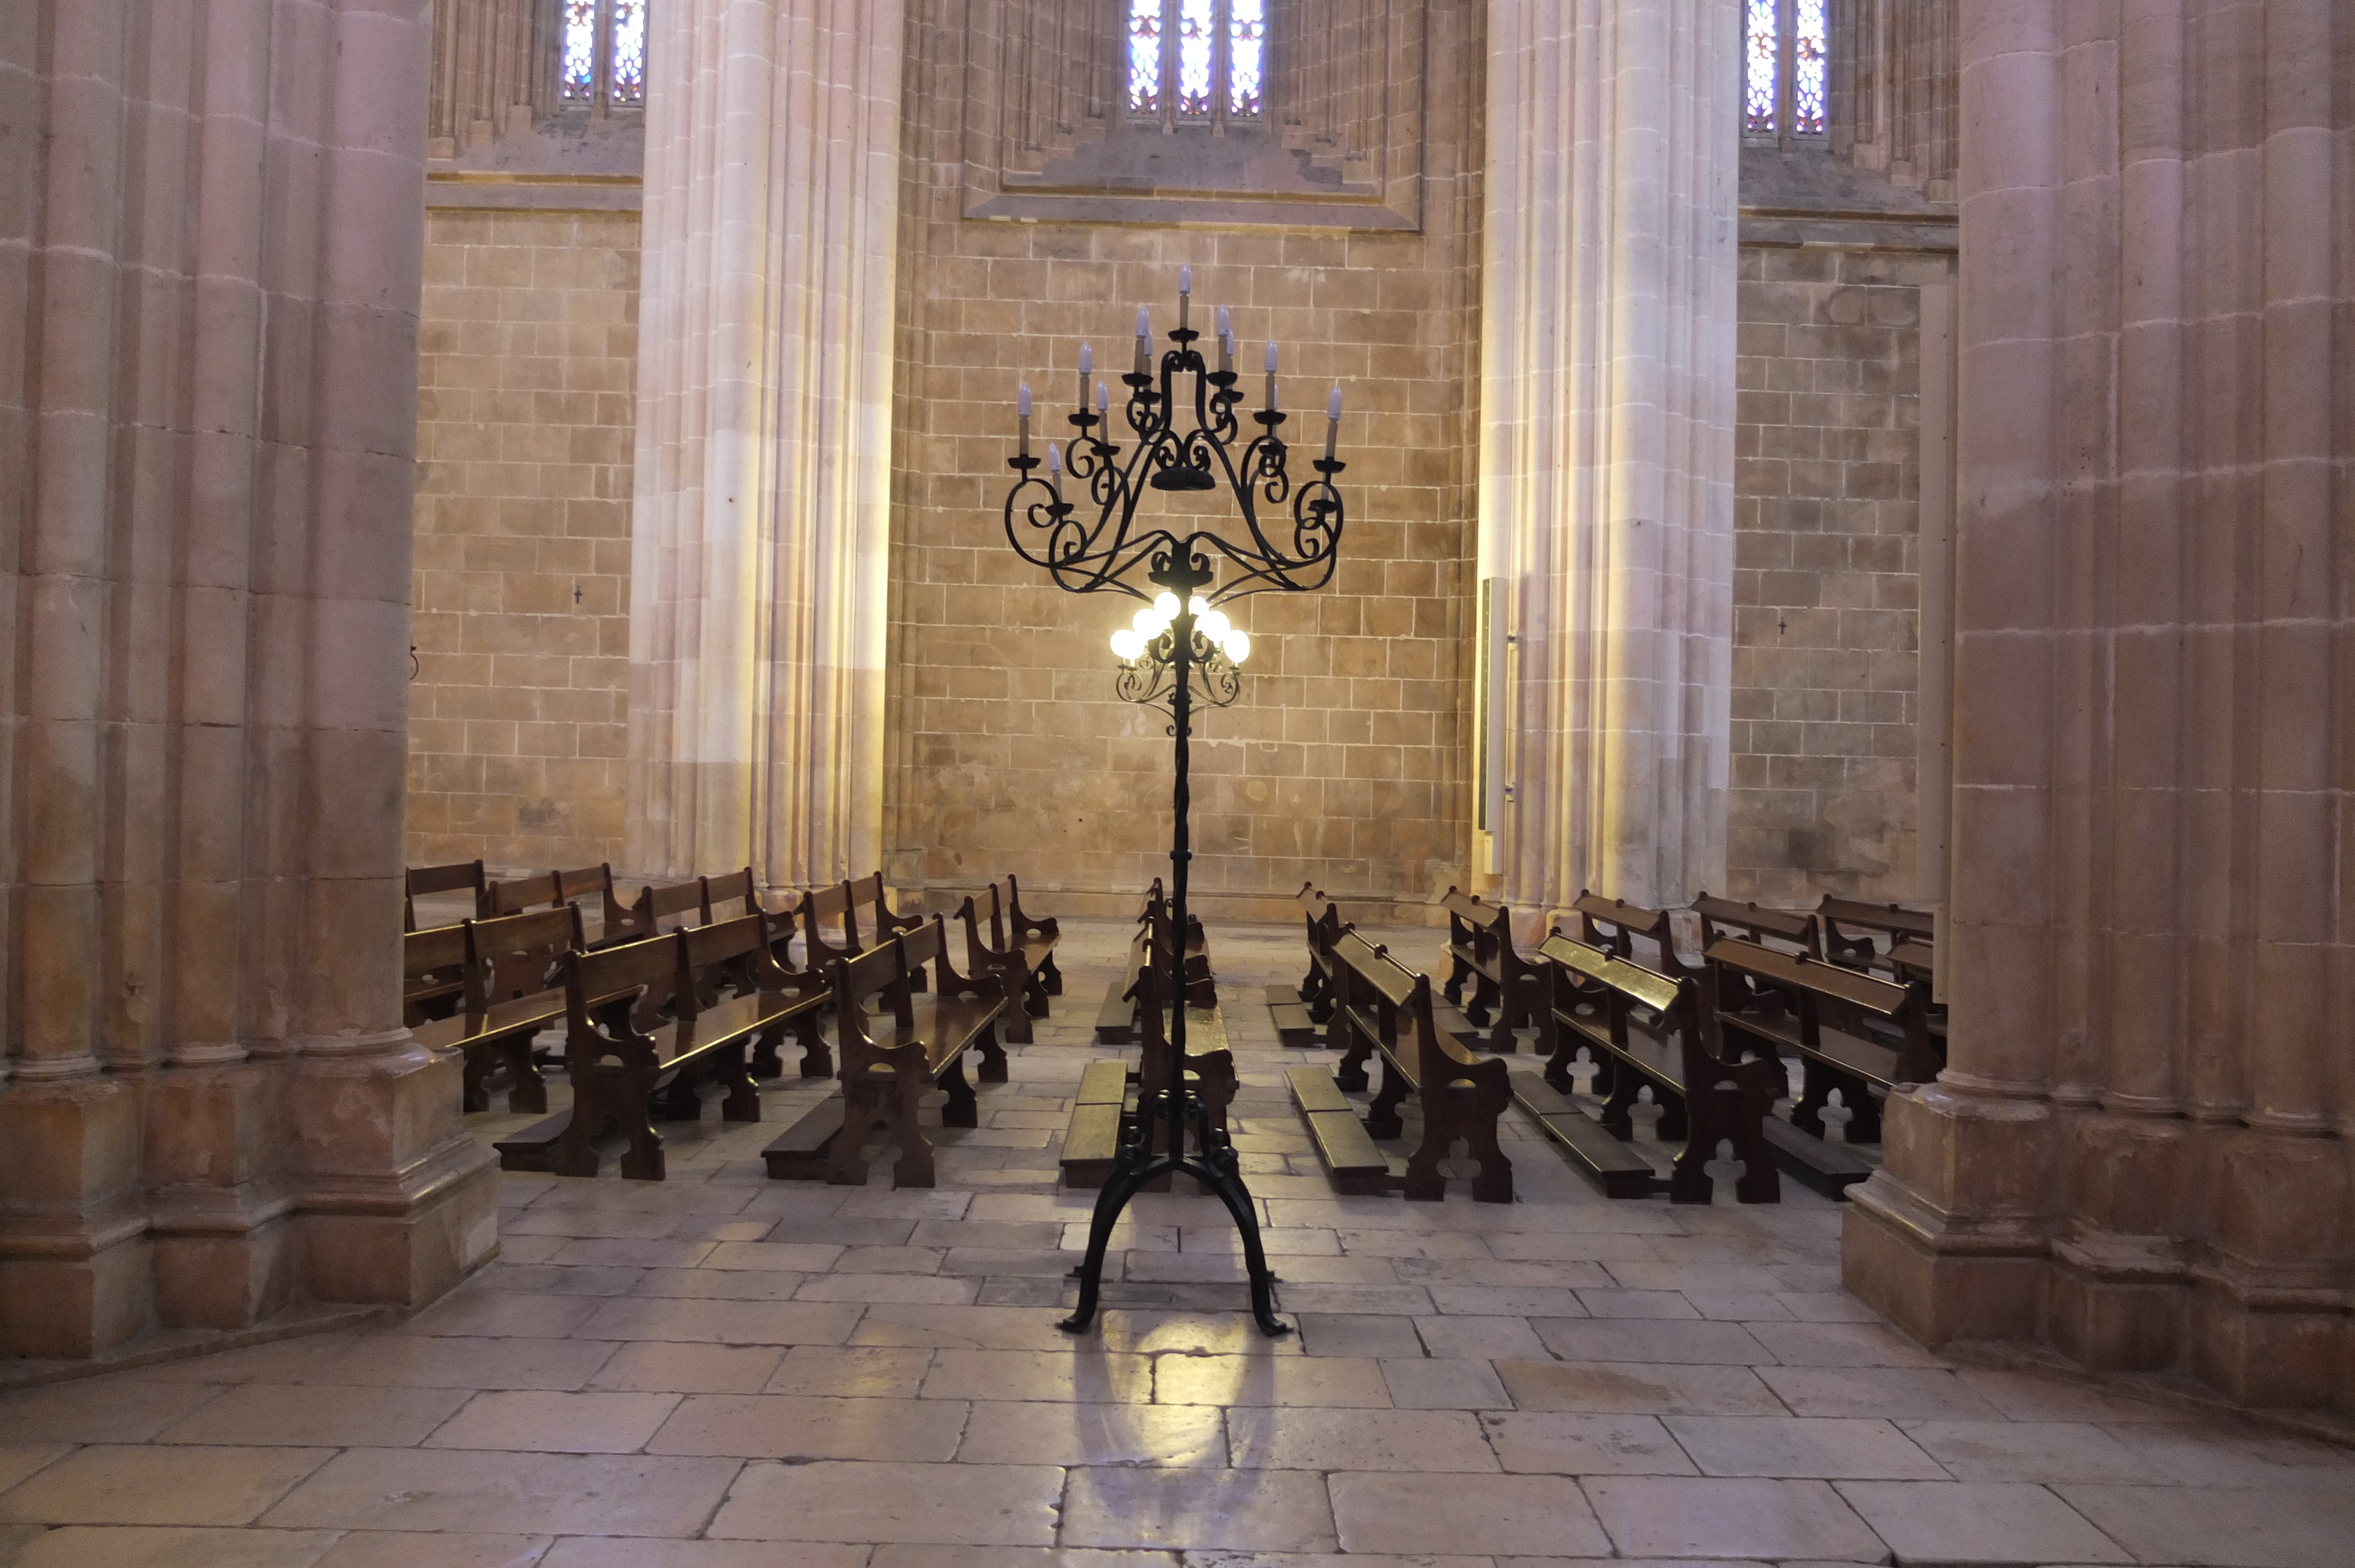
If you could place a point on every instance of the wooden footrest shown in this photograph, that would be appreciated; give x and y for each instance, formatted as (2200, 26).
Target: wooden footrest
(1293, 1025)
(1354, 1162)
(1091, 1142)
(533, 1148)
(1619, 1171)
(1829, 1168)
(1116, 1019)
(799, 1153)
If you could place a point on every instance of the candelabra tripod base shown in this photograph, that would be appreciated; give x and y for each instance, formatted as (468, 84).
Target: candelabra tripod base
(1216, 1172)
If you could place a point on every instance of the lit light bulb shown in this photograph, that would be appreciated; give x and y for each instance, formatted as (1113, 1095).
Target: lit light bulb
(1238, 646)
(1197, 606)
(1185, 279)
(1147, 623)
(1087, 358)
(1126, 645)
(1166, 606)
(1054, 459)
(1214, 625)
(1103, 398)
(1022, 400)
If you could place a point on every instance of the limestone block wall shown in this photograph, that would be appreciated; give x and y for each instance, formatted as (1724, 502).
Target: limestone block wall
(1344, 762)
(1828, 575)
(518, 713)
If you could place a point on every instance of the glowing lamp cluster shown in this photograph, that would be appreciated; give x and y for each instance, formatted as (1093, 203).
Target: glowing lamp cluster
(1136, 639)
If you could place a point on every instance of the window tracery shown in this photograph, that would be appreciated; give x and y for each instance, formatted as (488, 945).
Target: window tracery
(602, 55)
(1787, 57)
(1196, 61)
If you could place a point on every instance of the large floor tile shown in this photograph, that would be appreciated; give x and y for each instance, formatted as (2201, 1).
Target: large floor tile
(18, 1460)
(542, 1422)
(1556, 1443)
(449, 1549)
(1976, 1521)
(1802, 1447)
(320, 1415)
(1499, 1516)
(793, 1426)
(1675, 1517)
(1891, 1393)
(1349, 1382)
(1445, 1385)
(1258, 1510)
(1078, 1372)
(446, 1488)
(98, 1409)
(2220, 1526)
(2031, 1451)
(1651, 1341)
(1038, 1431)
(133, 1546)
(1326, 1439)
(622, 1551)
(393, 1360)
(721, 1322)
(1638, 1389)
(1012, 1505)
(665, 1367)
(161, 1484)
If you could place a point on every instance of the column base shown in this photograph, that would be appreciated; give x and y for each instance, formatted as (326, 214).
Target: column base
(76, 1267)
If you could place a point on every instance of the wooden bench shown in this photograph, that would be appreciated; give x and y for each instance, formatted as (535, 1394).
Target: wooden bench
(514, 991)
(1773, 1004)
(1028, 959)
(1116, 1017)
(1629, 924)
(1353, 1161)
(619, 1054)
(1505, 986)
(1385, 1009)
(1792, 930)
(1855, 945)
(432, 973)
(1300, 1014)
(827, 911)
(891, 1054)
(465, 876)
(1650, 1030)
(657, 911)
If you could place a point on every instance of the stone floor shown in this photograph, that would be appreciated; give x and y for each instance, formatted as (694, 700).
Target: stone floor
(724, 1372)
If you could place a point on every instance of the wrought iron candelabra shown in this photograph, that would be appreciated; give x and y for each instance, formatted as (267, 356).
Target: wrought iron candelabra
(1189, 436)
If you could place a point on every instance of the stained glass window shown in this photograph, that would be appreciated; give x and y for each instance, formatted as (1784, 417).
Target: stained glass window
(629, 51)
(1247, 59)
(1196, 59)
(1144, 56)
(1785, 69)
(1196, 27)
(601, 53)
(579, 50)
(1762, 51)
(1809, 47)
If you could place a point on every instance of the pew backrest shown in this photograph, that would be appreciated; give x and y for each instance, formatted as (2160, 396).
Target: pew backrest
(1627, 922)
(731, 896)
(735, 950)
(868, 890)
(644, 974)
(520, 894)
(821, 904)
(522, 954)
(462, 877)
(1862, 921)
(1757, 923)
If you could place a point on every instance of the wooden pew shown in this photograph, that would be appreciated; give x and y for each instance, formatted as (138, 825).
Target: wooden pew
(1041, 934)
(883, 922)
(733, 896)
(1386, 1008)
(1629, 924)
(1792, 930)
(1651, 1028)
(1029, 958)
(1211, 1073)
(619, 1054)
(1300, 1014)
(1092, 1139)
(1773, 1004)
(657, 912)
(893, 1054)
(594, 883)
(520, 895)
(1116, 1019)
(1850, 926)
(467, 876)
(514, 991)
(432, 973)
(1505, 985)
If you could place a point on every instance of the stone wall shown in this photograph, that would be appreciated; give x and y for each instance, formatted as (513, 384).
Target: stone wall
(1826, 636)
(518, 713)
(1345, 760)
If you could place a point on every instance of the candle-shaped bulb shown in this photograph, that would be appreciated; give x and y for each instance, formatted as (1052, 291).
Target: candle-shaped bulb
(1087, 358)
(1054, 457)
(1185, 279)
(1333, 404)
(1226, 322)
(1333, 422)
(1144, 321)
(1022, 400)
(1103, 398)
(1271, 359)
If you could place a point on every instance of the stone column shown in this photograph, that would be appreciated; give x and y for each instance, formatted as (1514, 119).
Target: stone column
(1607, 440)
(758, 575)
(2139, 1154)
(206, 425)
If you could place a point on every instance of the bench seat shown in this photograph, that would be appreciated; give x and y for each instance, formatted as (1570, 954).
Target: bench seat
(1352, 1159)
